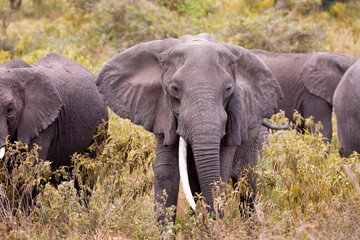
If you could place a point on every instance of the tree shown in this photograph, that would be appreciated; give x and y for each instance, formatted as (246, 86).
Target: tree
(15, 5)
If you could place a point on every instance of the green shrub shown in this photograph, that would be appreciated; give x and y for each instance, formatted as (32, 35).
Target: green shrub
(195, 8)
(300, 181)
(276, 32)
(349, 14)
(4, 56)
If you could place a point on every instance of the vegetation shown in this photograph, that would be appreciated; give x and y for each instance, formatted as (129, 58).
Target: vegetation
(305, 189)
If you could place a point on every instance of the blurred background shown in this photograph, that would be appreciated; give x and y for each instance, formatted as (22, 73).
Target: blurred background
(98, 29)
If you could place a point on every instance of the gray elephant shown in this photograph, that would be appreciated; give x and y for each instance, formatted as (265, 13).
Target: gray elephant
(53, 103)
(197, 91)
(347, 111)
(308, 82)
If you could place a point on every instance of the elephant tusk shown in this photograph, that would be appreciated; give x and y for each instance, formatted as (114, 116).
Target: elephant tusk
(183, 172)
(2, 152)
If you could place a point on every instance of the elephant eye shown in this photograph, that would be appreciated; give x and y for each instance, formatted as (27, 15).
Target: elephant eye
(174, 90)
(228, 91)
(9, 110)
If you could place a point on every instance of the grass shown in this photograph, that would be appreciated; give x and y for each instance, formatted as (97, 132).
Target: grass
(303, 193)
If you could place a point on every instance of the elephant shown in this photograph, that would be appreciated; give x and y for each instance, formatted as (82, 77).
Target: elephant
(200, 98)
(347, 111)
(53, 103)
(308, 82)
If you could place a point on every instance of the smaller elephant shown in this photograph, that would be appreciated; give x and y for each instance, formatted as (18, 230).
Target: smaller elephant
(308, 82)
(347, 111)
(53, 103)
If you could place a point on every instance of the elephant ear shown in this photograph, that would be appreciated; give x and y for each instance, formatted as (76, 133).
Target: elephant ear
(237, 123)
(322, 73)
(42, 103)
(132, 87)
(256, 95)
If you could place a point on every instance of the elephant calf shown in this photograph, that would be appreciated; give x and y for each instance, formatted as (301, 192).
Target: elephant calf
(347, 111)
(53, 103)
(200, 97)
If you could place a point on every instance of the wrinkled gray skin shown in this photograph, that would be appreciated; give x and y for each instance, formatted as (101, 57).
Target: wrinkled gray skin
(347, 111)
(53, 103)
(308, 82)
(214, 95)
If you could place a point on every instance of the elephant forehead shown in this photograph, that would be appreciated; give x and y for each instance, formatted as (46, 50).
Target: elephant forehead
(8, 79)
(202, 52)
(6, 97)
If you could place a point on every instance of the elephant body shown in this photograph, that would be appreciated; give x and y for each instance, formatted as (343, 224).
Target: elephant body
(308, 82)
(53, 103)
(347, 111)
(212, 95)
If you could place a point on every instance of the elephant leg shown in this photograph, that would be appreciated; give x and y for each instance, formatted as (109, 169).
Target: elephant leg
(321, 111)
(166, 178)
(44, 141)
(263, 139)
(348, 126)
(246, 158)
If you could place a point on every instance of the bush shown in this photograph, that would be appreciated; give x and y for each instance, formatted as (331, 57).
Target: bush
(4, 56)
(348, 13)
(272, 31)
(307, 184)
(195, 8)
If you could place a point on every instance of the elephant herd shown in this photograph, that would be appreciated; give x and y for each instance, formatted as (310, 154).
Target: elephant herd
(205, 102)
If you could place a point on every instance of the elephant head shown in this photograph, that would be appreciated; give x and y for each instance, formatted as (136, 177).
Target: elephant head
(206, 92)
(29, 102)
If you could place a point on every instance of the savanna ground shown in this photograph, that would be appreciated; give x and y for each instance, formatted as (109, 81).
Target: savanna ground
(305, 189)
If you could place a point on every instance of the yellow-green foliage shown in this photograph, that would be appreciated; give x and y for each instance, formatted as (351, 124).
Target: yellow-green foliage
(4, 56)
(348, 14)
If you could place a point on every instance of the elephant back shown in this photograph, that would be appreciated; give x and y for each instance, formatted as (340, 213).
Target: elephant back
(75, 83)
(15, 63)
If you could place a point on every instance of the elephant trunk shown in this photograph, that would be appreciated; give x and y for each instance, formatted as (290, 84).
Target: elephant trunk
(207, 161)
(205, 144)
(202, 124)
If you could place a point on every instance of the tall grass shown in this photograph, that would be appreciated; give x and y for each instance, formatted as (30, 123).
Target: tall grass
(303, 192)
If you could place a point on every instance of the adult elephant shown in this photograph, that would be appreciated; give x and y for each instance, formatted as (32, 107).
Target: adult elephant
(308, 82)
(347, 111)
(53, 103)
(193, 90)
